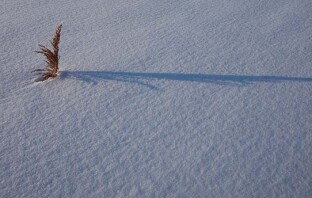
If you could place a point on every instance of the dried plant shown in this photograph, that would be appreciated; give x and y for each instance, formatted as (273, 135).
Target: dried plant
(52, 57)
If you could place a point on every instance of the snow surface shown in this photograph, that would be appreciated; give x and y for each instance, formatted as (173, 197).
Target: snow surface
(166, 98)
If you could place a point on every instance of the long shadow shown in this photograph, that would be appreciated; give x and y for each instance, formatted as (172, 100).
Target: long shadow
(141, 78)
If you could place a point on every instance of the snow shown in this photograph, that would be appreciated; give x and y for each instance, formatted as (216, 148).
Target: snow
(189, 98)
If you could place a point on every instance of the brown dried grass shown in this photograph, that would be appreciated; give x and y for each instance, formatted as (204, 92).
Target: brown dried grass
(52, 57)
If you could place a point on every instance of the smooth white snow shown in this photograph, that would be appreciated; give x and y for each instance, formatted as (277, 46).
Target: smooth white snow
(167, 98)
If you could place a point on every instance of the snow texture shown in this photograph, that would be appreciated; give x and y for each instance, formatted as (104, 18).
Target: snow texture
(166, 98)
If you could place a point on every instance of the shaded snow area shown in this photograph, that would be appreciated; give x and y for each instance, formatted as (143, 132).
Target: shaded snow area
(166, 98)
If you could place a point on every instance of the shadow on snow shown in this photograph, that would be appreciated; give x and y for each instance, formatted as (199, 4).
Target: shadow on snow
(140, 78)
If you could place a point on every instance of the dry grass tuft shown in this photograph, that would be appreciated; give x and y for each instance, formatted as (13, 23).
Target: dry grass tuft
(52, 57)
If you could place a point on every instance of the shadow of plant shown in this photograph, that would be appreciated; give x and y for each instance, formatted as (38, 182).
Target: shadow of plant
(141, 78)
